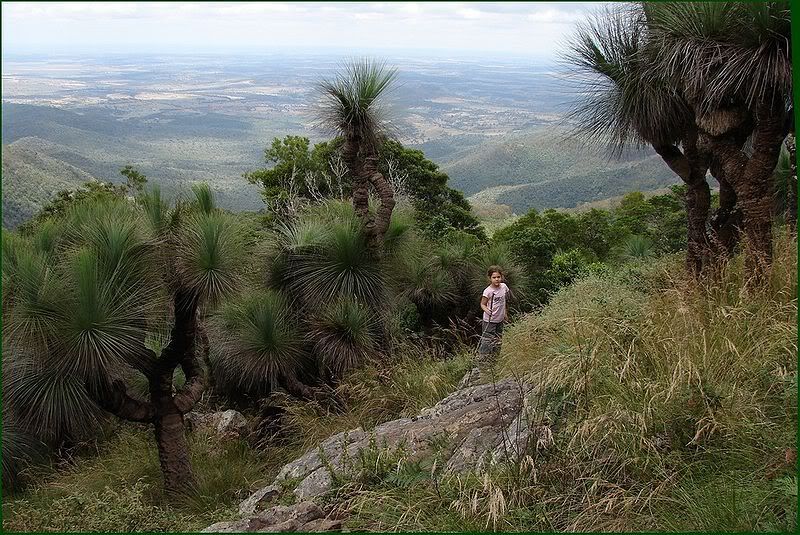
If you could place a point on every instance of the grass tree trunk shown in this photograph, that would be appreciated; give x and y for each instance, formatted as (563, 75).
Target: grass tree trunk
(173, 449)
(169, 408)
(351, 154)
(698, 206)
(751, 178)
(791, 182)
(385, 194)
(727, 219)
(691, 166)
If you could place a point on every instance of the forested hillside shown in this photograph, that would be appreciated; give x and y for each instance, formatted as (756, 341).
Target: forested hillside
(360, 354)
(30, 179)
(554, 171)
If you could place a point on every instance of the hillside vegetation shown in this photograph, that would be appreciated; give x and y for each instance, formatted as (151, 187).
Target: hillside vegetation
(30, 179)
(553, 171)
(680, 413)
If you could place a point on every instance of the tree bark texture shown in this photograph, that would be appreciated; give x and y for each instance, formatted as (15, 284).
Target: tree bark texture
(173, 449)
(791, 182)
(351, 154)
(751, 178)
(726, 220)
(691, 166)
(385, 194)
(363, 165)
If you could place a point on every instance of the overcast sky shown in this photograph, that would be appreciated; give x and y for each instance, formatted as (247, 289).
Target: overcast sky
(530, 29)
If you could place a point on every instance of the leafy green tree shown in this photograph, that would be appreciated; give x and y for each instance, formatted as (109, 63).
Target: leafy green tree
(439, 208)
(298, 172)
(117, 294)
(566, 267)
(633, 214)
(595, 231)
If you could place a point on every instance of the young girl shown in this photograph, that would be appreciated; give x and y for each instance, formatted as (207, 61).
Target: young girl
(493, 303)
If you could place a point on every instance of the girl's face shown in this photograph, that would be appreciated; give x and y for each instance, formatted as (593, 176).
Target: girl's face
(497, 278)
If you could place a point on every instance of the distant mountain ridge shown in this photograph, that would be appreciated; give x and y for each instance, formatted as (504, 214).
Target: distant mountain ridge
(53, 149)
(31, 178)
(545, 169)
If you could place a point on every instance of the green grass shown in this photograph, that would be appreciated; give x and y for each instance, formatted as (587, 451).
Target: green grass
(678, 412)
(120, 489)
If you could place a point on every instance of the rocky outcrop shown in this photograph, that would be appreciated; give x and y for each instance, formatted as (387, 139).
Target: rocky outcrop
(228, 423)
(470, 429)
(303, 517)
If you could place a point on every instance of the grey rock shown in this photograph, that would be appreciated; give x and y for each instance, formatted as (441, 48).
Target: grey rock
(231, 422)
(323, 524)
(226, 423)
(316, 484)
(275, 519)
(471, 428)
(258, 498)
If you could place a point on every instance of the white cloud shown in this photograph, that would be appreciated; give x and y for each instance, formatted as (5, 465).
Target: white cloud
(470, 13)
(210, 26)
(552, 15)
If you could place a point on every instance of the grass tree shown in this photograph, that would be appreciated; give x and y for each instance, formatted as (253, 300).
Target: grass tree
(115, 291)
(732, 60)
(352, 108)
(622, 103)
(260, 345)
(318, 310)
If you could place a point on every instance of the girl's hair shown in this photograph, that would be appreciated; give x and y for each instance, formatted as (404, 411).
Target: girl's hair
(494, 269)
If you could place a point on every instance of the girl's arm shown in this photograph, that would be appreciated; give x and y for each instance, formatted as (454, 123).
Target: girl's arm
(485, 304)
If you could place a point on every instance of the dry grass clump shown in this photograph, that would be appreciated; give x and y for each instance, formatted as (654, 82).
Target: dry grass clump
(676, 405)
(678, 392)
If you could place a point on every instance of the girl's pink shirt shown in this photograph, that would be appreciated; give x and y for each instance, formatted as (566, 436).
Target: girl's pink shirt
(496, 298)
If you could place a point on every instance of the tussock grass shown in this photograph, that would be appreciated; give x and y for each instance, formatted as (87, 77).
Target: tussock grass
(377, 393)
(682, 395)
(120, 488)
(678, 406)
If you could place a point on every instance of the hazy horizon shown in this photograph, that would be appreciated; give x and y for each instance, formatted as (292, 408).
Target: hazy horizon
(61, 29)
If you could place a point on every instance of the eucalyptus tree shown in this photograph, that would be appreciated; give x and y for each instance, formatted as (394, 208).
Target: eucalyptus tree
(622, 103)
(353, 109)
(732, 61)
(115, 291)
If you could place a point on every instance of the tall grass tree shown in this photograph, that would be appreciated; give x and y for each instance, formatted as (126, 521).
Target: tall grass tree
(353, 109)
(732, 60)
(92, 312)
(621, 103)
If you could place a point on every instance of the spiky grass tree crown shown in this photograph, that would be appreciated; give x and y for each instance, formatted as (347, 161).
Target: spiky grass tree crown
(324, 255)
(723, 51)
(352, 104)
(622, 100)
(260, 341)
(82, 296)
(344, 334)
